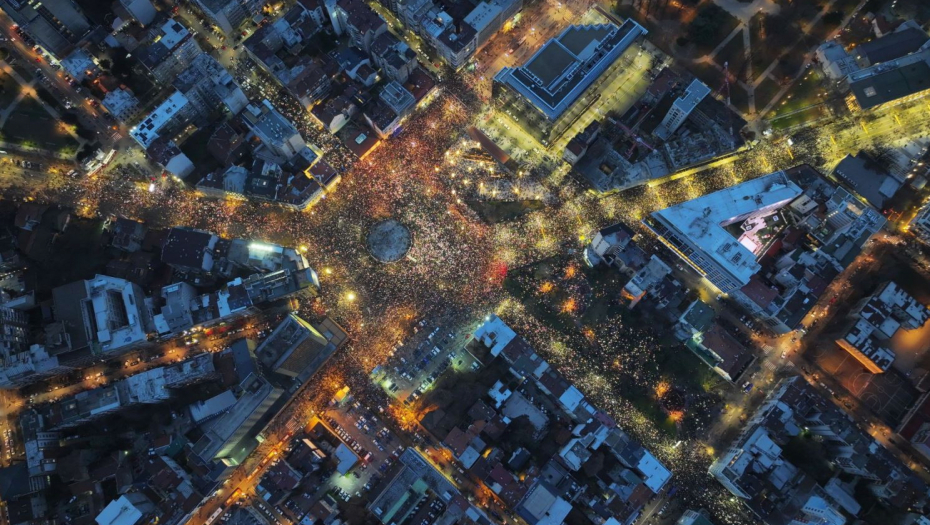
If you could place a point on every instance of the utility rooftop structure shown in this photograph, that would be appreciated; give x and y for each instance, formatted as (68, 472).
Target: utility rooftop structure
(545, 88)
(148, 130)
(276, 132)
(696, 229)
(890, 83)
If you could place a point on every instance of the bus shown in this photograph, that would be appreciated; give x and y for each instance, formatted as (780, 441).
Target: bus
(216, 514)
(232, 498)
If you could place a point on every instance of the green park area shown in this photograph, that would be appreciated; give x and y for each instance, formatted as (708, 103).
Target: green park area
(806, 92)
(30, 125)
(803, 103)
(584, 310)
(9, 90)
(765, 92)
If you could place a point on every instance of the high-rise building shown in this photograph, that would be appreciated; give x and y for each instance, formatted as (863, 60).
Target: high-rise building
(171, 50)
(561, 80)
(164, 119)
(770, 245)
(230, 437)
(56, 25)
(102, 316)
(696, 229)
(228, 15)
(14, 329)
(141, 10)
(208, 86)
(276, 132)
(681, 109)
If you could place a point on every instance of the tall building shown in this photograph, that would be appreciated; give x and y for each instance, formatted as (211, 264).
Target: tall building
(298, 349)
(209, 87)
(696, 229)
(358, 20)
(141, 10)
(83, 408)
(163, 120)
(889, 83)
(228, 15)
(146, 388)
(20, 368)
(561, 80)
(276, 132)
(681, 109)
(455, 38)
(42, 448)
(171, 50)
(122, 104)
(56, 25)
(489, 17)
(394, 57)
(103, 316)
(231, 437)
(14, 330)
(770, 245)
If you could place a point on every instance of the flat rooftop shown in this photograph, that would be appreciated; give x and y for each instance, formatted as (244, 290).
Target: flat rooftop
(147, 131)
(891, 85)
(557, 75)
(702, 221)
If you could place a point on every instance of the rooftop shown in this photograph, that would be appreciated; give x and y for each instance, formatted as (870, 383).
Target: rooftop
(867, 179)
(556, 76)
(702, 221)
(189, 249)
(886, 85)
(892, 46)
(267, 121)
(147, 130)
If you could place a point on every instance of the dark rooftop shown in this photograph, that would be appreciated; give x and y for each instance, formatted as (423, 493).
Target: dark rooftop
(891, 85)
(894, 45)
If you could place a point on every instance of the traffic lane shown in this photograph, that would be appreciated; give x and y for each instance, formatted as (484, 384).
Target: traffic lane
(86, 114)
(54, 79)
(173, 351)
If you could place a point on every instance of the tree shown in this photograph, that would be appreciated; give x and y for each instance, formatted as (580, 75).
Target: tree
(780, 31)
(705, 26)
(594, 464)
(833, 19)
(122, 67)
(68, 117)
(521, 433)
(441, 398)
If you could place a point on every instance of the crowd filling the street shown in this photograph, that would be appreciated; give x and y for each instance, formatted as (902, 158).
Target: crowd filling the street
(508, 261)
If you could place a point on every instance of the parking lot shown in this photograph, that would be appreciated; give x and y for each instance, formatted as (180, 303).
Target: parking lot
(363, 430)
(416, 364)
